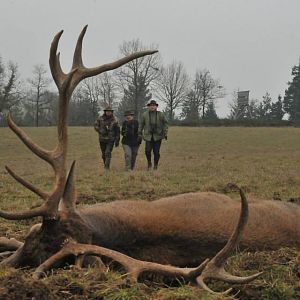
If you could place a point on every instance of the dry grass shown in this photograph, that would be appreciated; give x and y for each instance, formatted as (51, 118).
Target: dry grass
(263, 160)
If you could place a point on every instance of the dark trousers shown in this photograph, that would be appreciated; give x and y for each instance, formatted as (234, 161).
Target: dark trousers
(155, 147)
(106, 149)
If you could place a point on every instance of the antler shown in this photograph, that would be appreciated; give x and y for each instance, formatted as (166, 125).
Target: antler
(66, 84)
(79, 71)
(213, 269)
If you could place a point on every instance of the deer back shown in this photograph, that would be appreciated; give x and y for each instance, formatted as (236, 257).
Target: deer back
(201, 221)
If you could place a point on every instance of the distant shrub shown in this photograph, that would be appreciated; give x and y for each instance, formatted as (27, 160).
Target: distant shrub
(234, 123)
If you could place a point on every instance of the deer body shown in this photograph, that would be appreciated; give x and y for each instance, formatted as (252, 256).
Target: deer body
(186, 228)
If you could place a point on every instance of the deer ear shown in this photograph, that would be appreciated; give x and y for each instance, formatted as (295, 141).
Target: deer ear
(69, 196)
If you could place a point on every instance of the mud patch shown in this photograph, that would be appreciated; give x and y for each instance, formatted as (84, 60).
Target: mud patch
(18, 286)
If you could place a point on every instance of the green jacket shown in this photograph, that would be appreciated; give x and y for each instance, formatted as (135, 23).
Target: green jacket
(153, 123)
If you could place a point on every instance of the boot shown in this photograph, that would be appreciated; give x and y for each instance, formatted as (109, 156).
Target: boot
(149, 165)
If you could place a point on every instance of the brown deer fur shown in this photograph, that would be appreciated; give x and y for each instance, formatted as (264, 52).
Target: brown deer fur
(184, 229)
(180, 230)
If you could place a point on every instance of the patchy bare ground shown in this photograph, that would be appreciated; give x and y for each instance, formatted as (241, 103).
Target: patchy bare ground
(280, 281)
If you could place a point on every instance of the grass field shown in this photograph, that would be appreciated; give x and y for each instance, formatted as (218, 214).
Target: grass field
(265, 161)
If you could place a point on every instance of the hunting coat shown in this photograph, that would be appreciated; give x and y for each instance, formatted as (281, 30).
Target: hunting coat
(108, 129)
(130, 133)
(153, 124)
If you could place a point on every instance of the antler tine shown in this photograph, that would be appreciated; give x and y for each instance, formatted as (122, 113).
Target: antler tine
(89, 72)
(54, 62)
(77, 58)
(58, 64)
(202, 284)
(56, 158)
(28, 185)
(224, 276)
(36, 212)
(215, 268)
(69, 196)
(235, 237)
(39, 151)
(84, 72)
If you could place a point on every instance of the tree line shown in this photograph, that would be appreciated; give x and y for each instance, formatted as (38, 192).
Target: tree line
(185, 98)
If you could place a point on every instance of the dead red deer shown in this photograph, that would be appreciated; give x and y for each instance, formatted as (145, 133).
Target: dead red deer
(178, 230)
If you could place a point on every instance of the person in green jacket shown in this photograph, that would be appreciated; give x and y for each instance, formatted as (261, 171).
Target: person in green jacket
(153, 128)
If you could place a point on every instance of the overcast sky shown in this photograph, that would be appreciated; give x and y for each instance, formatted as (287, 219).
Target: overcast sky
(247, 44)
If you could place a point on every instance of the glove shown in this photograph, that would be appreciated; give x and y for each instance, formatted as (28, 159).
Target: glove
(139, 140)
(166, 137)
(117, 144)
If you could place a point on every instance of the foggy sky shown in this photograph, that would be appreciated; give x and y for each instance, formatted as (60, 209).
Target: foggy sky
(247, 44)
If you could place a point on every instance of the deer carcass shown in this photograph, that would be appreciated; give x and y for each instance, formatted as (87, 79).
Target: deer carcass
(178, 230)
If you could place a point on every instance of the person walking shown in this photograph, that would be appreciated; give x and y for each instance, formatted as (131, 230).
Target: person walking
(108, 129)
(153, 128)
(130, 141)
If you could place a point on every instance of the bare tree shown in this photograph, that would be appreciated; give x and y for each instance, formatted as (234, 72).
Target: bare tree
(100, 90)
(10, 91)
(140, 71)
(39, 84)
(108, 90)
(91, 95)
(208, 88)
(205, 89)
(172, 86)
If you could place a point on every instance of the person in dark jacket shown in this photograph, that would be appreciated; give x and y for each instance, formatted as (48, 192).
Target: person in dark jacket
(153, 128)
(108, 129)
(131, 140)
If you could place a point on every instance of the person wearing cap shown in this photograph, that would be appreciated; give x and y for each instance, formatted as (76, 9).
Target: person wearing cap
(130, 141)
(108, 129)
(153, 128)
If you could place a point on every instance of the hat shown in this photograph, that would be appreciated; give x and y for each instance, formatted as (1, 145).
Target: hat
(108, 108)
(128, 113)
(152, 102)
